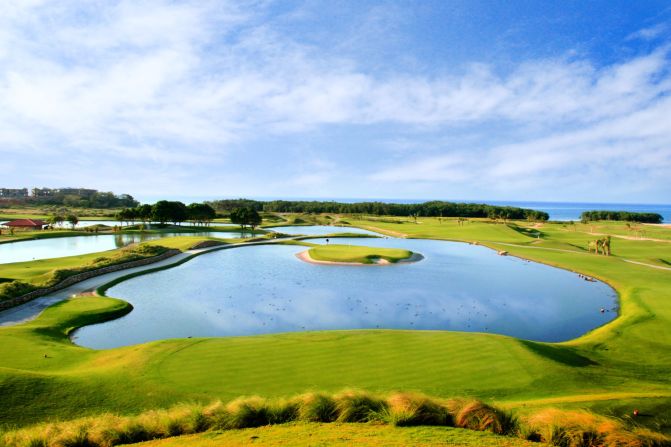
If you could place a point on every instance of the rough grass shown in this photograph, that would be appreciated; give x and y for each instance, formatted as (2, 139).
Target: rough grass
(357, 254)
(552, 426)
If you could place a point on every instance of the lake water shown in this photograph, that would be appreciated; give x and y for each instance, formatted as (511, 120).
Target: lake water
(78, 245)
(319, 230)
(112, 223)
(266, 289)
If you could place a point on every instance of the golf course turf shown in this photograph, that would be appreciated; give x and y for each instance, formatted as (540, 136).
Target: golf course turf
(623, 365)
(350, 254)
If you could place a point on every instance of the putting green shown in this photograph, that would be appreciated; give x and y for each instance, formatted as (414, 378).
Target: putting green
(357, 254)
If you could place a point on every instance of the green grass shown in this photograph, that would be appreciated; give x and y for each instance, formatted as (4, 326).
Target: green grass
(38, 271)
(622, 365)
(315, 434)
(357, 254)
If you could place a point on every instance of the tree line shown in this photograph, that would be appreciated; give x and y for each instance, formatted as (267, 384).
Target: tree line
(627, 216)
(426, 209)
(71, 197)
(165, 211)
(177, 212)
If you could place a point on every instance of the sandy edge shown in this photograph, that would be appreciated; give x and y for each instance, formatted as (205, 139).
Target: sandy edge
(305, 257)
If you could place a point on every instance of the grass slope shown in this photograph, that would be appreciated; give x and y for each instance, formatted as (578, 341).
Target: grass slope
(315, 434)
(613, 369)
(358, 254)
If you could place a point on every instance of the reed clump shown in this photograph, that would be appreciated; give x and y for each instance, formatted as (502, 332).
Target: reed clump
(554, 427)
(358, 406)
(584, 429)
(477, 415)
(407, 409)
(316, 407)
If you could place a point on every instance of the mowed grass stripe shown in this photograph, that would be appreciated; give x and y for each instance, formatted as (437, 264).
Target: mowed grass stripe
(435, 361)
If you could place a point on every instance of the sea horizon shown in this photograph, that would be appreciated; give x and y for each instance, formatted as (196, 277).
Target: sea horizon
(561, 211)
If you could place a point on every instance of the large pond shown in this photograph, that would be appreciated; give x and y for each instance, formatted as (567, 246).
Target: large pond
(78, 245)
(266, 289)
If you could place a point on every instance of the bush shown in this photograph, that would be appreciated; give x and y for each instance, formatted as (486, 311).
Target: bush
(9, 290)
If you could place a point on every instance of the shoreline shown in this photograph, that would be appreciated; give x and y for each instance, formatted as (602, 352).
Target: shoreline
(305, 257)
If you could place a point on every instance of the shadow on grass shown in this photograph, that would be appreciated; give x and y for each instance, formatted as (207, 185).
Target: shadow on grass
(559, 354)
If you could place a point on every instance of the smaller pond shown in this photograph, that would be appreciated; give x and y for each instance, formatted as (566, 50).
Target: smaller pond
(58, 247)
(319, 230)
(112, 223)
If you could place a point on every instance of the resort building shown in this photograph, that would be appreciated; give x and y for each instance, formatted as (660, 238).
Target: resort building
(27, 224)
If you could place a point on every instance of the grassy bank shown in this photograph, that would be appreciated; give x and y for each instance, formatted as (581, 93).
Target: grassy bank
(316, 434)
(613, 369)
(19, 278)
(550, 426)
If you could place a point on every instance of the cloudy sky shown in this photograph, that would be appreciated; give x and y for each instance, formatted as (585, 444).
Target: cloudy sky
(446, 99)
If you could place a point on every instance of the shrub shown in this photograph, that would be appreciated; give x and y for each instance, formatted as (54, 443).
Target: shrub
(9, 290)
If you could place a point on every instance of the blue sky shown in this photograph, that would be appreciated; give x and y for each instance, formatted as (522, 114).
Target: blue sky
(470, 100)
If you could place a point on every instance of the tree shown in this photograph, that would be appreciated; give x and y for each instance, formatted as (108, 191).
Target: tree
(56, 219)
(201, 213)
(144, 213)
(73, 219)
(122, 216)
(246, 216)
(167, 211)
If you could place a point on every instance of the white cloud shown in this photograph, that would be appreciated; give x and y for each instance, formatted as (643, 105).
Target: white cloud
(189, 83)
(649, 33)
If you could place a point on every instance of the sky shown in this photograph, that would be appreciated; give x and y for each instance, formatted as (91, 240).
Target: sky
(446, 99)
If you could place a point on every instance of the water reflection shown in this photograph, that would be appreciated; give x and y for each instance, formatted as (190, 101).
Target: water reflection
(266, 289)
(77, 245)
(319, 230)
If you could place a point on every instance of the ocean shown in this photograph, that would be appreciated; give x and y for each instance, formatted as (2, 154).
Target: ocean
(563, 211)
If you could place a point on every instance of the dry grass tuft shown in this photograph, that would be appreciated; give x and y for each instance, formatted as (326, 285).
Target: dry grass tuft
(552, 426)
(406, 409)
(317, 407)
(477, 415)
(584, 429)
(358, 406)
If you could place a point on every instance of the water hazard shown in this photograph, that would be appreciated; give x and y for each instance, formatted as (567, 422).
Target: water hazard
(266, 289)
(78, 245)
